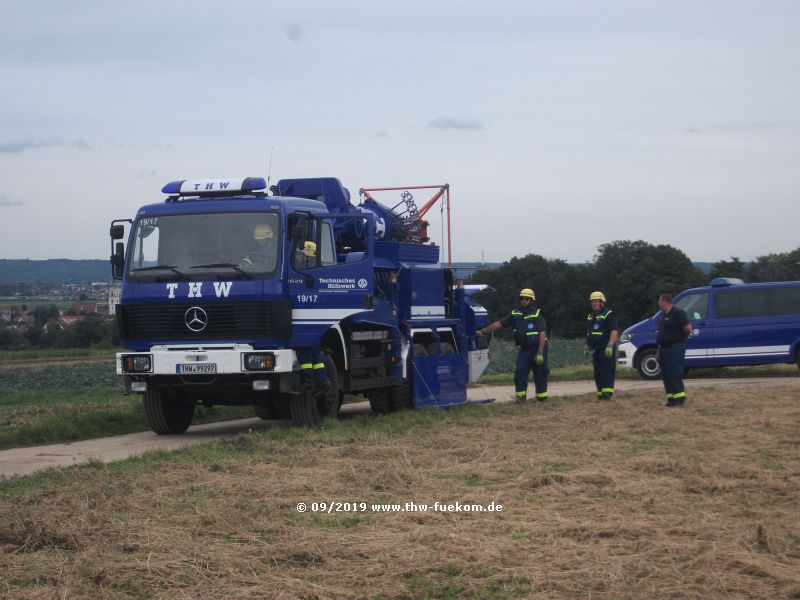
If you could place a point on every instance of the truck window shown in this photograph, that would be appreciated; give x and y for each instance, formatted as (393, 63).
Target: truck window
(328, 250)
(198, 245)
(694, 305)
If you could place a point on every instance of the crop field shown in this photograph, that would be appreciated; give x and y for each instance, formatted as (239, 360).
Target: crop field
(55, 403)
(620, 500)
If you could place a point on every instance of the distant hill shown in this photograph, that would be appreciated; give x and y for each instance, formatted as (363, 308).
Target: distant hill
(55, 270)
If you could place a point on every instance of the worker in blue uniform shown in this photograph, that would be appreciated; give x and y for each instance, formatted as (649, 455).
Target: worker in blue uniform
(313, 377)
(602, 329)
(529, 334)
(673, 331)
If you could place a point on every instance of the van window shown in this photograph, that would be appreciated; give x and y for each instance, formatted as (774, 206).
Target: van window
(745, 303)
(694, 305)
(786, 301)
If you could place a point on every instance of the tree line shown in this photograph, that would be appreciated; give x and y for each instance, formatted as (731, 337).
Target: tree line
(632, 274)
(45, 332)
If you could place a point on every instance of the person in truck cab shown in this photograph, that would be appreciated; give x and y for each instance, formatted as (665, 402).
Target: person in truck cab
(264, 253)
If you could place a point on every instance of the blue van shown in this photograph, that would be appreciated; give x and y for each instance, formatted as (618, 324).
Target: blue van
(733, 323)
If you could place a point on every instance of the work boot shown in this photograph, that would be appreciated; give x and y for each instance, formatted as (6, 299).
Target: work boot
(519, 399)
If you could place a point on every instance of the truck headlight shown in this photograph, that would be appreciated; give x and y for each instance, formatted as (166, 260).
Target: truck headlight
(259, 361)
(137, 363)
(626, 337)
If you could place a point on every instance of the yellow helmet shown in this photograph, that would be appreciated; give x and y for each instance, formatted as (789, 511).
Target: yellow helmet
(309, 249)
(262, 232)
(527, 293)
(597, 296)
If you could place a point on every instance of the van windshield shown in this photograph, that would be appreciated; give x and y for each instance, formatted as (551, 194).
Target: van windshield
(694, 305)
(240, 245)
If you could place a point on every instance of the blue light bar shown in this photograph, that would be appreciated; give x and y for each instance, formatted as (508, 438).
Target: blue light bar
(200, 187)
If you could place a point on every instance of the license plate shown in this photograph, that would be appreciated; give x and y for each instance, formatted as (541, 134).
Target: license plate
(196, 369)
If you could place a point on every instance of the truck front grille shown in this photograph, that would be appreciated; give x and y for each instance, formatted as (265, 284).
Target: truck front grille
(223, 321)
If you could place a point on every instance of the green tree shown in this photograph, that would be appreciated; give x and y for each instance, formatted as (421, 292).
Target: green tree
(783, 266)
(633, 274)
(728, 268)
(554, 282)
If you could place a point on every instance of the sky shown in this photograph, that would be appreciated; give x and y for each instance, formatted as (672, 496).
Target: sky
(560, 125)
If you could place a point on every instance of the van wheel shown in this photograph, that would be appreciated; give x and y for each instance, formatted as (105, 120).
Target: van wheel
(647, 364)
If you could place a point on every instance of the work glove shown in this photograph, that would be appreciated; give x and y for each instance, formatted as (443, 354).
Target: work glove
(539, 359)
(609, 351)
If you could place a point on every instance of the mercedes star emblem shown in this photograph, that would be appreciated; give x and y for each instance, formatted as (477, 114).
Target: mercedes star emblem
(196, 319)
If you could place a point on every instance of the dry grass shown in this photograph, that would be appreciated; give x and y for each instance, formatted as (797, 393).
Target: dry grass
(619, 500)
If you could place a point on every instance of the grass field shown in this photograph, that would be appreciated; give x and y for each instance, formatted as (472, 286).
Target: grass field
(47, 403)
(620, 500)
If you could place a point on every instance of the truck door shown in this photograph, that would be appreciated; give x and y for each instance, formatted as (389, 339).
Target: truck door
(700, 345)
(325, 287)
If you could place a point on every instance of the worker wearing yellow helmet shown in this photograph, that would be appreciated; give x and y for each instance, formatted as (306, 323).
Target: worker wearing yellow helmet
(264, 253)
(529, 334)
(601, 338)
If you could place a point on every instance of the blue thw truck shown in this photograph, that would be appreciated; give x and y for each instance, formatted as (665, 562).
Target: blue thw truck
(224, 282)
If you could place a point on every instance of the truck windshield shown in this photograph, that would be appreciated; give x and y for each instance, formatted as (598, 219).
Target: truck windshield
(241, 245)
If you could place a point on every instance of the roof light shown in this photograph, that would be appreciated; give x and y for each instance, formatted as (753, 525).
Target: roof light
(726, 281)
(199, 187)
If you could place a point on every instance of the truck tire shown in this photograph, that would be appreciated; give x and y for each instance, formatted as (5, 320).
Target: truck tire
(167, 412)
(308, 409)
(277, 408)
(647, 365)
(380, 401)
(400, 397)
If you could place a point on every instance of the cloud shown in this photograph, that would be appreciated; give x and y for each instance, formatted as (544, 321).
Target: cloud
(6, 201)
(455, 123)
(295, 32)
(15, 146)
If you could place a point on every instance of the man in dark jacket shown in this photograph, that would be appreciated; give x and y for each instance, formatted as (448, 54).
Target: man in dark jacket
(673, 330)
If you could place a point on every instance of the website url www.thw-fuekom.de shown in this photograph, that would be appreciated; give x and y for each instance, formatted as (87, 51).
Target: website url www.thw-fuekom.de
(448, 507)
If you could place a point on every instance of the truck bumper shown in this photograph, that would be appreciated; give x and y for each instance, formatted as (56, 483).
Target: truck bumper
(219, 359)
(625, 354)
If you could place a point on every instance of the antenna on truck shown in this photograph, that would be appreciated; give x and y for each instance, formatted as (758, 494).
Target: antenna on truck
(269, 170)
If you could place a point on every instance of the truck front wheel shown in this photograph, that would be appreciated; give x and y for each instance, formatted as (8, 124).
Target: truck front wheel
(647, 365)
(167, 411)
(308, 408)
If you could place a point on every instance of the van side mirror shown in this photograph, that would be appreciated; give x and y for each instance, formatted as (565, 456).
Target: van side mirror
(117, 232)
(118, 260)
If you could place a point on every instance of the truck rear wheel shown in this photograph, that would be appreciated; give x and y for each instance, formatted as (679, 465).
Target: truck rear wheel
(380, 401)
(647, 365)
(308, 409)
(167, 411)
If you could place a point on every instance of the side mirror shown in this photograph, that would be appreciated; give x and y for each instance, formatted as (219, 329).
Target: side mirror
(118, 260)
(117, 232)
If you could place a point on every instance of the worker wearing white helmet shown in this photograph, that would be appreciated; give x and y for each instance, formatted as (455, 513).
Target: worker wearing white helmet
(529, 334)
(601, 337)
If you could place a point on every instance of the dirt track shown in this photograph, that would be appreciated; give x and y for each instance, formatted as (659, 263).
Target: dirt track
(23, 461)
